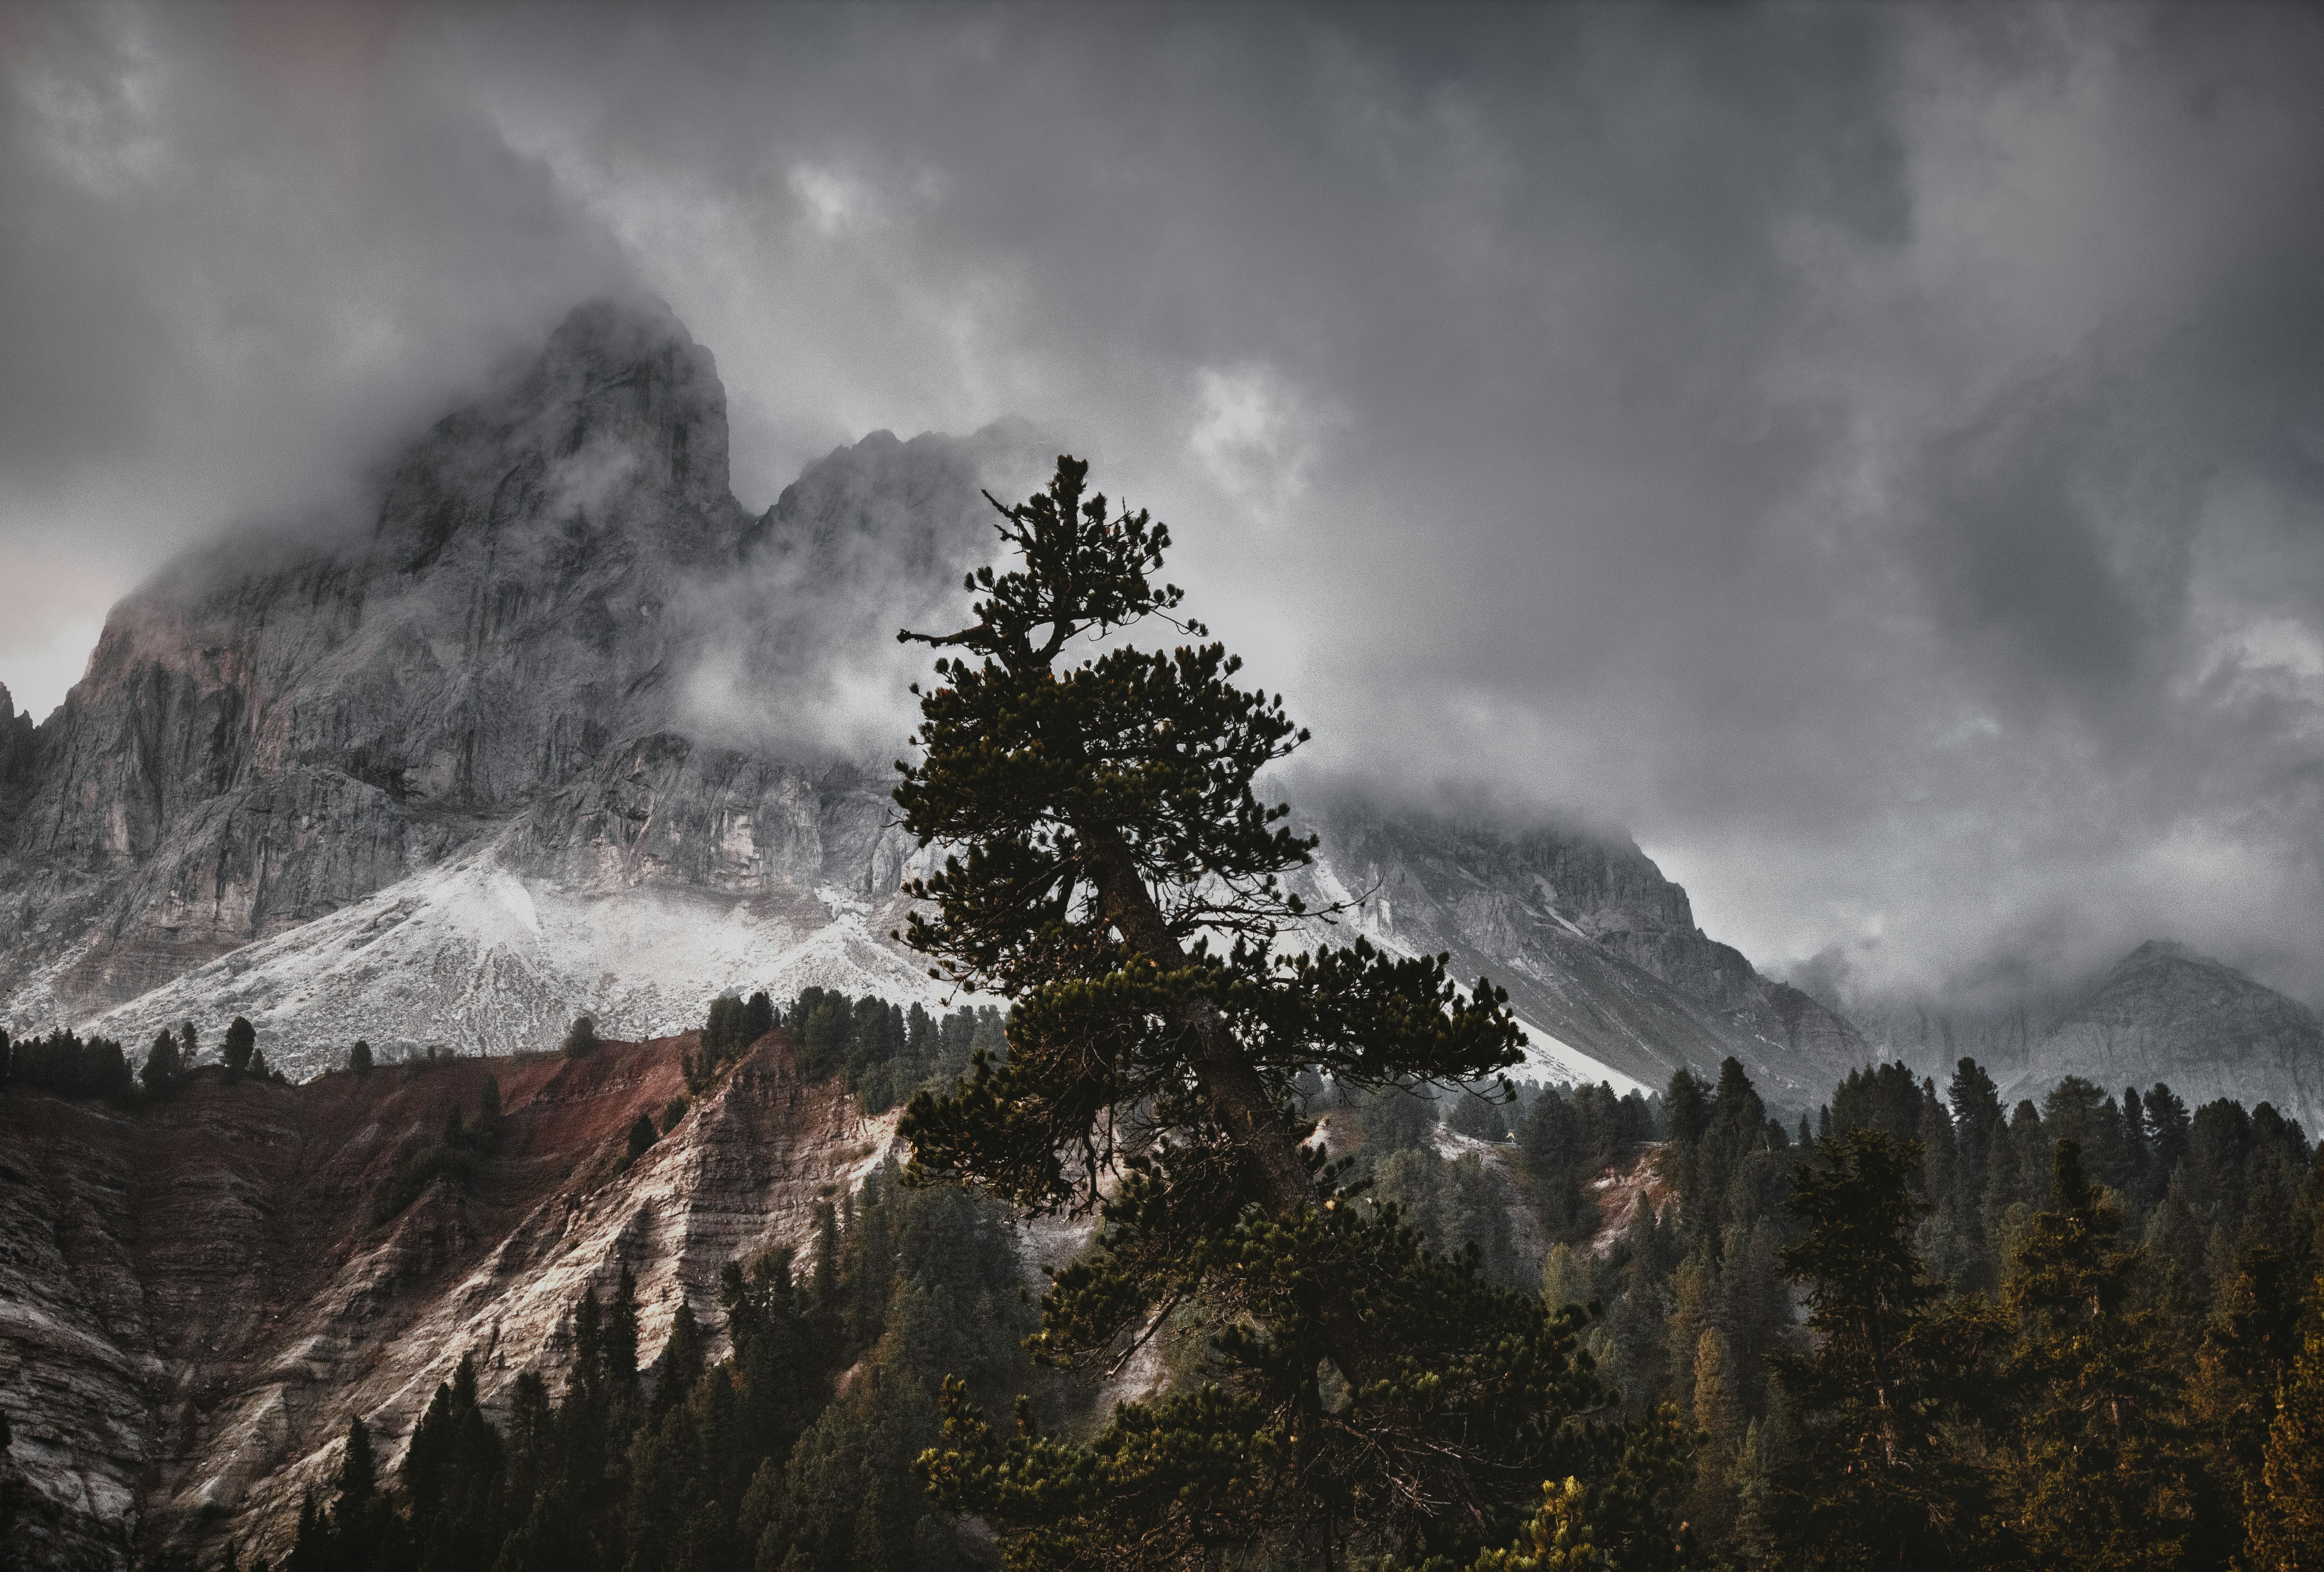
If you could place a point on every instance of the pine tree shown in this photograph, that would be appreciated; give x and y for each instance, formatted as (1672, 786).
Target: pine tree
(241, 1040)
(621, 1346)
(364, 1529)
(452, 1477)
(2246, 1356)
(1718, 1414)
(1872, 1481)
(2285, 1524)
(1115, 877)
(681, 1362)
(161, 1070)
(359, 1058)
(2103, 1475)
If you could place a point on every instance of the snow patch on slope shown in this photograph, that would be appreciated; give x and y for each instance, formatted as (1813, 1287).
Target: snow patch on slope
(1547, 1056)
(475, 957)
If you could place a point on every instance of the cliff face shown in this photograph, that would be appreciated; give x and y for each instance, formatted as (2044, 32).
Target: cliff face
(195, 1298)
(1599, 952)
(511, 653)
(275, 727)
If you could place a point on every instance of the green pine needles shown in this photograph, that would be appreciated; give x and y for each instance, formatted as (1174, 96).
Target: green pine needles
(1110, 872)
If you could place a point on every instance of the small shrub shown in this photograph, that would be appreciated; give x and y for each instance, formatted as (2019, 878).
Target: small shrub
(641, 1136)
(241, 1042)
(417, 1172)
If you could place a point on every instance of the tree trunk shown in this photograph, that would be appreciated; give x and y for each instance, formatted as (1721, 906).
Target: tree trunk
(1271, 1160)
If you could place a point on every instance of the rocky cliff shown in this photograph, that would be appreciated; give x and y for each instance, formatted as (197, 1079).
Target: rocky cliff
(195, 1298)
(519, 655)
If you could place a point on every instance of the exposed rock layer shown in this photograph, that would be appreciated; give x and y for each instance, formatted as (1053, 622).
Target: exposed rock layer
(195, 1298)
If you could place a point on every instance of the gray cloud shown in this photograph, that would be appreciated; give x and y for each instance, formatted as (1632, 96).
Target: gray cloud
(1873, 452)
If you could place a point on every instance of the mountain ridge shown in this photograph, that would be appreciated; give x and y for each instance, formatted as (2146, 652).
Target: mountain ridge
(565, 729)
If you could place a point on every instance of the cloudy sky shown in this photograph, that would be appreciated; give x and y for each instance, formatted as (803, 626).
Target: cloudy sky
(1876, 454)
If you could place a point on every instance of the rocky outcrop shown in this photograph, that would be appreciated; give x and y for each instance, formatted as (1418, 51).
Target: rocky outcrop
(195, 1298)
(2165, 1013)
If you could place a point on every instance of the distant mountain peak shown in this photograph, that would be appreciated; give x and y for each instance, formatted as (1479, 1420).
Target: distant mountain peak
(2164, 1013)
(612, 330)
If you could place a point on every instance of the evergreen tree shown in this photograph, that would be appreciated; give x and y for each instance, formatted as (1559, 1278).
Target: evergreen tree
(1875, 1481)
(2285, 1521)
(452, 1478)
(359, 1058)
(161, 1070)
(364, 1529)
(2103, 1476)
(1107, 834)
(580, 1038)
(620, 1344)
(241, 1040)
(681, 1362)
(2249, 1348)
(2168, 1128)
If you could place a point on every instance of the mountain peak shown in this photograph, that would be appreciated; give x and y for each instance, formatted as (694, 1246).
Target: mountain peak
(619, 422)
(614, 332)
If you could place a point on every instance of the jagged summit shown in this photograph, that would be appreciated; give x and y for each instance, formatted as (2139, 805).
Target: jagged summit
(613, 436)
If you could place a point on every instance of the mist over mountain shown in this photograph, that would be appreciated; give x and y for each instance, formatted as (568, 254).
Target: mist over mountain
(2162, 1013)
(565, 729)
(550, 619)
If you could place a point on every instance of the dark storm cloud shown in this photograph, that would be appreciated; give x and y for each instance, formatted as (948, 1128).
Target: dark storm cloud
(1873, 452)
(215, 305)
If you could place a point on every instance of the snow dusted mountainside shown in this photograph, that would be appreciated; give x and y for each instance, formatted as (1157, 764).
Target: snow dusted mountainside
(1598, 951)
(331, 763)
(552, 732)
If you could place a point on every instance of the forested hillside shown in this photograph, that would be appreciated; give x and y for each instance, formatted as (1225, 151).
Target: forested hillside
(2088, 1317)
